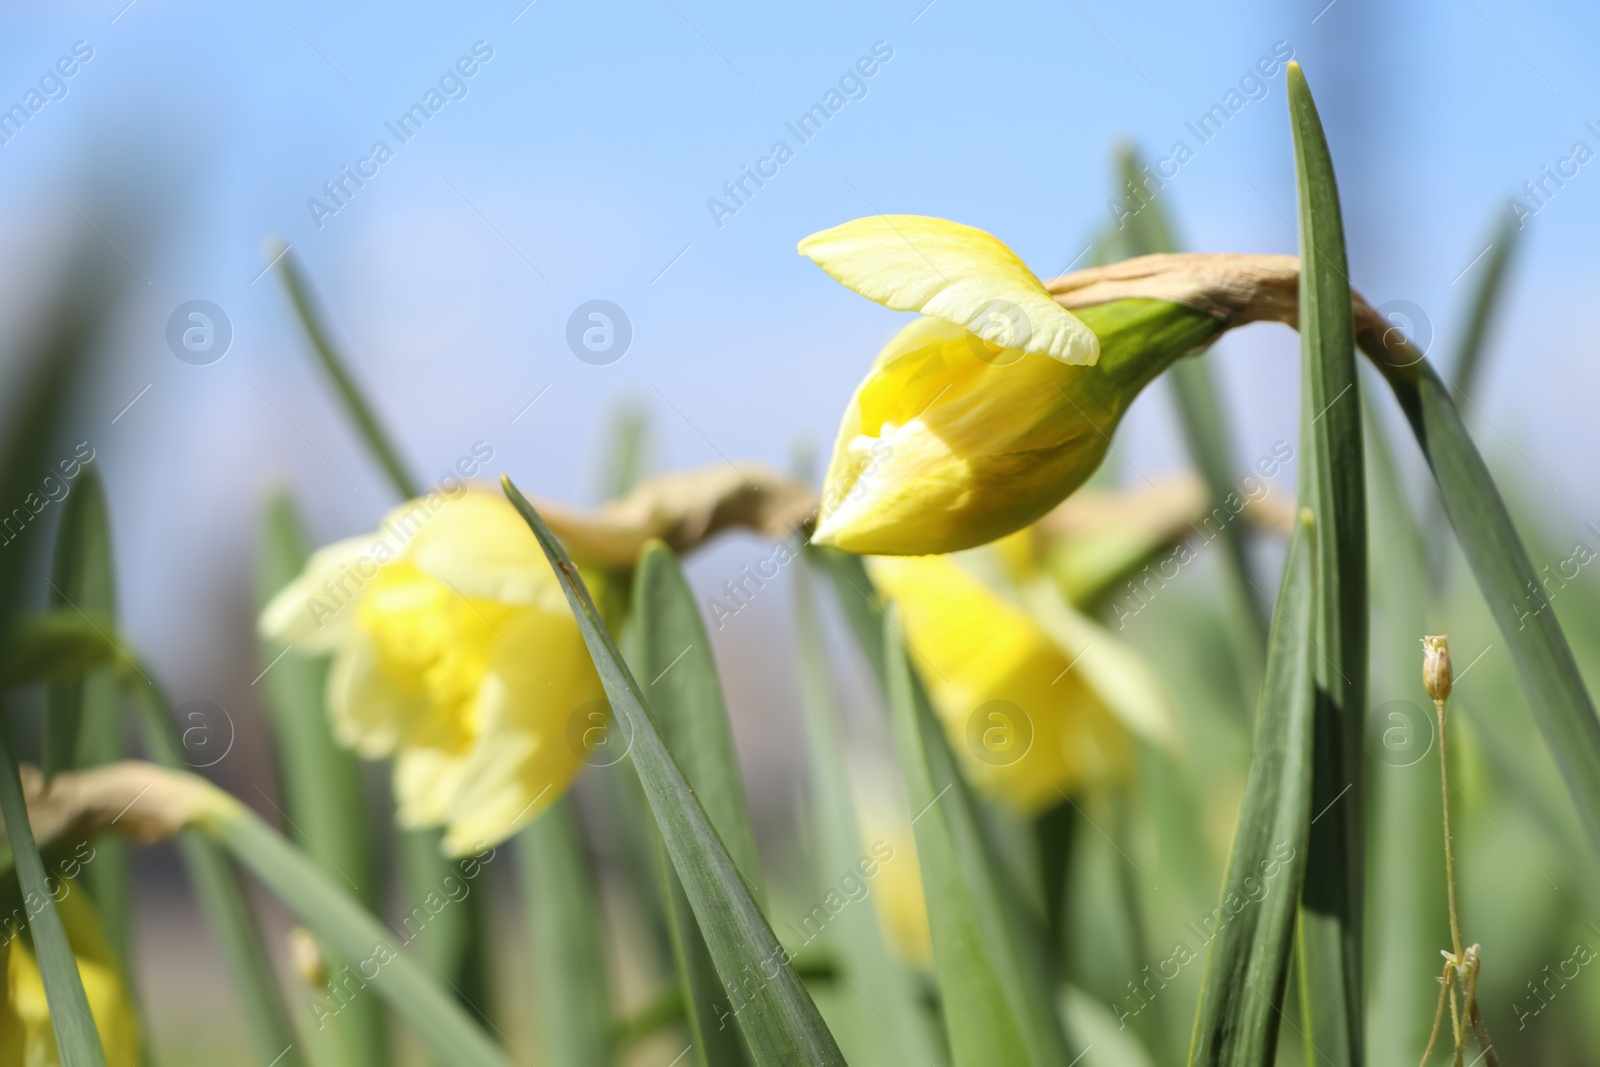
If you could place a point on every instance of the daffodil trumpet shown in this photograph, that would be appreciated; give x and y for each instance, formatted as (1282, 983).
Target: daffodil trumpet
(1036, 711)
(980, 417)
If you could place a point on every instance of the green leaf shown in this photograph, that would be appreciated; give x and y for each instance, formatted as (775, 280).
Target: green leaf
(221, 896)
(1098, 1026)
(1333, 486)
(1561, 704)
(859, 600)
(572, 1002)
(1248, 965)
(996, 991)
(355, 403)
(61, 645)
(1481, 307)
(673, 650)
(775, 1013)
(1467, 365)
(349, 931)
(893, 1028)
(626, 452)
(1205, 428)
(70, 1018)
(706, 1007)
(456, 946)
(81, 580)
(1407, 922)
(83, 712)
(322, 789)
(39, 407)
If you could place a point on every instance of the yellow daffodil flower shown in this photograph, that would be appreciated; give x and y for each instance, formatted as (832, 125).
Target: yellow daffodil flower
(456, 654)
(26, 1035)
(979, 418)
(1035, 712)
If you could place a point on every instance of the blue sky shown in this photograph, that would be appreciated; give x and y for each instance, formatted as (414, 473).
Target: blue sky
(578, 166)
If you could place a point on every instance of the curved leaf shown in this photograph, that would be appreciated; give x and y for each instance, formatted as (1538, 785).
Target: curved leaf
(1333, 486)
(572, 999)
(321, 781)
(775, 1013)
(894, 1029)
(993, 980)
(673, 650)
(1248, 965)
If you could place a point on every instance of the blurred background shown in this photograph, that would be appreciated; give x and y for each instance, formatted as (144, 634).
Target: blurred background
(585, 158)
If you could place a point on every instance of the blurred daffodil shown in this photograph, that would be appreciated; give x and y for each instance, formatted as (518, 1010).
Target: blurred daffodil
(979, 418)
(1037, 703)
(897, 888)
(27, 1037)
(456, 654)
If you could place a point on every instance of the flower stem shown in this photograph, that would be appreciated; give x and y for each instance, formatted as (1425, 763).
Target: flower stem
(1449, 853)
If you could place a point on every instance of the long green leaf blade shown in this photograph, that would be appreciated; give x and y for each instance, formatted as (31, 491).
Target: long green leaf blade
(996, 992)
(81, 579)
(70, 1018)
(1561, 704)
(884, 992)
(1334, 488)
(777, 1016)
(673, 650)
(706, 1007)
(1466, 368)
(350, 931)
(1205, 427)
(457, 945)
(858, 599)
(572, 1001)
(1248, 966)
(83, 722)
(1406, 924)
(1481, 307)
(322, 786)
(355, 402)
(46, 378)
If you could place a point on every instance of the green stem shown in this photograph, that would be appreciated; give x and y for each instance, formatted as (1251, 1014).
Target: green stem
(1449, 851)
(347, 928)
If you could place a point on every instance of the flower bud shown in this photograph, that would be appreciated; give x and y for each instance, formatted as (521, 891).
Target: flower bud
(1437, 676)
(979, 418)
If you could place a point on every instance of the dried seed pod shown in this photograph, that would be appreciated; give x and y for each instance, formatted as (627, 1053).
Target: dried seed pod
(1437, 675)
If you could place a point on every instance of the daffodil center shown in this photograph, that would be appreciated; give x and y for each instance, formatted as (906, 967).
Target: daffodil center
(435, 643)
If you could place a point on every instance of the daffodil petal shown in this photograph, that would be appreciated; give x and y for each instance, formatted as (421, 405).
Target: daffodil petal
(370, 713)
(541, 679)
(309, 612)
(946, 445)
(993, 672)
(426, 781)
(476, 542)
(953, 272)
(1121, 677)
